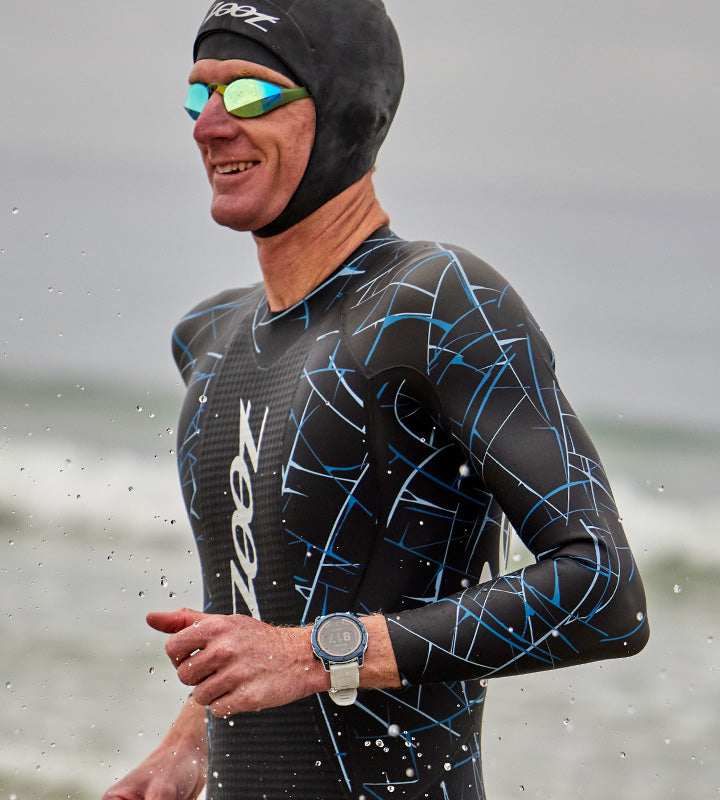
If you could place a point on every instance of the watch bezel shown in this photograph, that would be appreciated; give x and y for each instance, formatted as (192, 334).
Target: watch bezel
(329, 658)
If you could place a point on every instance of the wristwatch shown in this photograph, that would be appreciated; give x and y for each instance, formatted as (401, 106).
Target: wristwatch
(340, 641)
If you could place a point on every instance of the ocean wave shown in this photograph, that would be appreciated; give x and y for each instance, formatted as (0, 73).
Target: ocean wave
(72, 485)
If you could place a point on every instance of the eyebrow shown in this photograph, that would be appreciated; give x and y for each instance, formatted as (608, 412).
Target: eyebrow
(251, 71)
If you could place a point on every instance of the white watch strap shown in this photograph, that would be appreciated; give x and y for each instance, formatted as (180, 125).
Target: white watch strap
(344, 681)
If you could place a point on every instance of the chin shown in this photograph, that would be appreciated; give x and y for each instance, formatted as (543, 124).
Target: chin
(239, 219)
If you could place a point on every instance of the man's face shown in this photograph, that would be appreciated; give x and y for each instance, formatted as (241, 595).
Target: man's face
(254, 165)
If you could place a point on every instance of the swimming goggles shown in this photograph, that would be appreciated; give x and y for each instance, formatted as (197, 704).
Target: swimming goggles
(245, 97)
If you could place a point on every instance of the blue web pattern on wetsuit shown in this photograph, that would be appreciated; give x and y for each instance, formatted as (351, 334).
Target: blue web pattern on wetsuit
(539, 610)
(492, 373)
(198, 383)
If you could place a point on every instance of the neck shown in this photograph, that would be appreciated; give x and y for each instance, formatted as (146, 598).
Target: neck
(299, 259)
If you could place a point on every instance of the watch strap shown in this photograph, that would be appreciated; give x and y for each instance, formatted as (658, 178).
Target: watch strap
(344, 682)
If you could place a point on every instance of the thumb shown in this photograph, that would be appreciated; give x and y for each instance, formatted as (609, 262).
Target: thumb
(173, 621)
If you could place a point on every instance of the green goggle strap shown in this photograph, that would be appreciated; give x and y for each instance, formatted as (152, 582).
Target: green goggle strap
(245, 97)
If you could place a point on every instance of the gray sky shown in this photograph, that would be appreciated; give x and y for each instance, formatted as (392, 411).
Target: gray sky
(572, 145)
(622, 95)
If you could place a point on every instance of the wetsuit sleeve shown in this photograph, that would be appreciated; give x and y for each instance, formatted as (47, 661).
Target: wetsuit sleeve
(493, 372)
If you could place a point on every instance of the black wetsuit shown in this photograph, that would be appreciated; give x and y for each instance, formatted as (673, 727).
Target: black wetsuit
(361, 451)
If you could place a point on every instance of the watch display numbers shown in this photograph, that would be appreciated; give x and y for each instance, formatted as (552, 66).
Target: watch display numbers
(339, 636)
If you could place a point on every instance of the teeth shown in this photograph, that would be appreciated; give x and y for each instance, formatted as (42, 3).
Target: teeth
(238, 166)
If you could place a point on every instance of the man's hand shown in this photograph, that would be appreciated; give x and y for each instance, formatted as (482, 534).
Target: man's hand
(237, 663)
(176, 770)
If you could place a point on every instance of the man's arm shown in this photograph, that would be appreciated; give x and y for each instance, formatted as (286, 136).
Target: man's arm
(493, 374)
(237, 663)
(177, 768)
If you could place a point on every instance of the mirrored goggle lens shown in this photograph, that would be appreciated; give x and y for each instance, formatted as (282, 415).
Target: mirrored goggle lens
(198, 94)
(245, 97)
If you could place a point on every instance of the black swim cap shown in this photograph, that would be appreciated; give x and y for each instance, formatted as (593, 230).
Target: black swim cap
(347, 54)
(223, 45)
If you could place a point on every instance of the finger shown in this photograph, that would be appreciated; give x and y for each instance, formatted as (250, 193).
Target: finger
(213, 690)
(195, 669)
(184, 644)
(222, 707)
(173, 621)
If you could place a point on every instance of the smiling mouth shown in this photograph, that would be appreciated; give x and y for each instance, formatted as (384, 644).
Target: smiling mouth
(237, 166)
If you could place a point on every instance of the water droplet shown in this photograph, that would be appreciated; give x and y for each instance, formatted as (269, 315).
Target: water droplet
(394, 730)
(661, 488)
(622, 754)
(202, 399)
(554, 634)
(16, 210)
(447, 766)
(151, 670)
(677, 589)
(163, 581)
(391, 788)
(378, 742)
(318, 763)
(709, 640)
(8, 685)
(141, 593)
(196, 624)
(464, 470)
(138, 408)
(566, 721)
(640, 616)
(367, 743)
(465, 583)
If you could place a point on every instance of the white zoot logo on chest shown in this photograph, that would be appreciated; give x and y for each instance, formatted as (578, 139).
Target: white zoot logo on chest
(244, 566)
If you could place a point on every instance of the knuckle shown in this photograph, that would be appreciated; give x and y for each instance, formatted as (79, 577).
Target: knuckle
(183, 676)
(223, 651)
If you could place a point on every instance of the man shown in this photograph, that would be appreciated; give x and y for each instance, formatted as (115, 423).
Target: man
(358, 429)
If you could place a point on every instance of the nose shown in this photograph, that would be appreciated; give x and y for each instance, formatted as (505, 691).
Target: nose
(214, 121)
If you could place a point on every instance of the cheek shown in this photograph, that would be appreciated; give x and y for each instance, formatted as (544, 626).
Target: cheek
(298, 153)
(301, 132)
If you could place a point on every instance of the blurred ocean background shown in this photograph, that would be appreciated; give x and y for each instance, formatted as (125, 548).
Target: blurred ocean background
(575, 148)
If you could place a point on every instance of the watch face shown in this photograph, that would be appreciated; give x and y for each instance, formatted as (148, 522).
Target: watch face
(338, 636)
